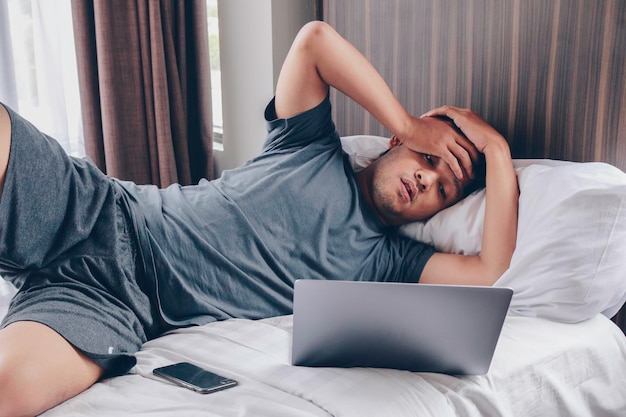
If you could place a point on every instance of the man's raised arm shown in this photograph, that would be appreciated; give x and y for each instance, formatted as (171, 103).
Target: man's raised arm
(320, 58)
(501, 209)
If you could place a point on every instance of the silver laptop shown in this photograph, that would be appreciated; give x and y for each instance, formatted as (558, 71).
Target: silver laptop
(416, 327)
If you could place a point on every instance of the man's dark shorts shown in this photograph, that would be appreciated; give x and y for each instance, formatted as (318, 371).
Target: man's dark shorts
(67, 244)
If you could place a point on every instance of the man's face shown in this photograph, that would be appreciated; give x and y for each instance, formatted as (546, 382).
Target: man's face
(405, 186)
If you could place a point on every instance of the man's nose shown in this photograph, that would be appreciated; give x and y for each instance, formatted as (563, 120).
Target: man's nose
(425, 178)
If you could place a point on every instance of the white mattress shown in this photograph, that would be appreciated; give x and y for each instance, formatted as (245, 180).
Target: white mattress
(540, 368)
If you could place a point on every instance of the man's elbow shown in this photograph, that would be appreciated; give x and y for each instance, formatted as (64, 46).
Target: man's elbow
(493, 272)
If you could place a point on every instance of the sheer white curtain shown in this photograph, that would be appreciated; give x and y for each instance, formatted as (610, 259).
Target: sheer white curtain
(38, 75)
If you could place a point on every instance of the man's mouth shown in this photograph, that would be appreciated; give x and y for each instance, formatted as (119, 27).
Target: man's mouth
(409, 191)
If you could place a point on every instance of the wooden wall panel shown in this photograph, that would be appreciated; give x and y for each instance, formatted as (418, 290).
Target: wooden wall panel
(549, 75)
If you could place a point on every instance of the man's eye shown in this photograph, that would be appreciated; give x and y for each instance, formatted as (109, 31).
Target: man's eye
(442, 191)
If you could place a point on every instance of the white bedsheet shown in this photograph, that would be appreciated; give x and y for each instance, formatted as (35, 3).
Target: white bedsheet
(540, 368)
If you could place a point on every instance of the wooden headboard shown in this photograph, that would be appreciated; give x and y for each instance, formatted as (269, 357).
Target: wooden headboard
(549, 75)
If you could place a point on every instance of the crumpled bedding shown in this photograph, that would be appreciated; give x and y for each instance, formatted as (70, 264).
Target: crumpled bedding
(540, 368)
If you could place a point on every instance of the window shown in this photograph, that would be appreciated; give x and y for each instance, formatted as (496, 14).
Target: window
(40, 79)
(216, 79)
(38, 75)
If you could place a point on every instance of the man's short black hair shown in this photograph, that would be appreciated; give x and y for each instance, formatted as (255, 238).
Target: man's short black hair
(480, 175)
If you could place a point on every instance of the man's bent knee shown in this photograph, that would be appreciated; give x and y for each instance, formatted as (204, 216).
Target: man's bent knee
(39, 369)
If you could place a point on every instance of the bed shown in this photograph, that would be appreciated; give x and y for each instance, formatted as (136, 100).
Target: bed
(540, 368)
(559, 353)
(534, 373)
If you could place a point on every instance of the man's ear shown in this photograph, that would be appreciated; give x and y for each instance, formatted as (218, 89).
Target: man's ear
(394, 141)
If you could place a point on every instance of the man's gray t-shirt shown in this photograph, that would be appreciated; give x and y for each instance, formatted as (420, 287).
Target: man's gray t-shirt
(234, 246)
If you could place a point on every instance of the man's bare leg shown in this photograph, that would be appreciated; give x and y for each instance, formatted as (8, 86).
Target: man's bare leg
(5, 144)
(39, 369)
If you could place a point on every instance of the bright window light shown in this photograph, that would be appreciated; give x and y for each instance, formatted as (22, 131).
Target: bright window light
(216, 79)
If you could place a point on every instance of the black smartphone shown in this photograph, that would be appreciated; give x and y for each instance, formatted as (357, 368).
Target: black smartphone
(195, 378)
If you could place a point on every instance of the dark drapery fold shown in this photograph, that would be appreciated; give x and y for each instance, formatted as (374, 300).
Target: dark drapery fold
(145, 88)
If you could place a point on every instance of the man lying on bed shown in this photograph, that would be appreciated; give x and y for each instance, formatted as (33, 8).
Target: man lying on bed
(104, 265)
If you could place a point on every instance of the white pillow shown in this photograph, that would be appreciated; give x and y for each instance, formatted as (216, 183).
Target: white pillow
(570, 258)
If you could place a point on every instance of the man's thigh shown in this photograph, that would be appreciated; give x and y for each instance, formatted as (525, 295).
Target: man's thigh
(40, 369)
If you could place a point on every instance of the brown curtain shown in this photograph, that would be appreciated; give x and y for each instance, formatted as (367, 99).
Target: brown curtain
(145, 88)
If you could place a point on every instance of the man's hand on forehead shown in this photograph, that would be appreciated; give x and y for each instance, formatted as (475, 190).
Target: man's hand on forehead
(473, 128)
(464, 141)
(441, 138)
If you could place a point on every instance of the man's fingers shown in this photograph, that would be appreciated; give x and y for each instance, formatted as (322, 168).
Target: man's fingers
(440, 111)
(464, 158)
(453, 163)
(468, 123)
(468, 154)
(462, 148)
